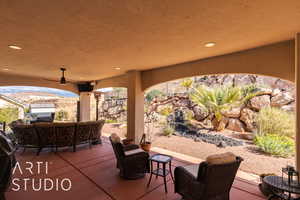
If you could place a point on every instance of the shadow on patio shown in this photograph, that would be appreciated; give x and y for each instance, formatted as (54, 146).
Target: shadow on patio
(94, 176)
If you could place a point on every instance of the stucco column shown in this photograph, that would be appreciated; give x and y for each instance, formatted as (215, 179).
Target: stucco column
(297, 83)
(135, 106)
(85, 106)
(20, 113)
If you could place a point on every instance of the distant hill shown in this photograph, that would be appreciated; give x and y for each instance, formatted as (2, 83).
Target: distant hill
(38, 91)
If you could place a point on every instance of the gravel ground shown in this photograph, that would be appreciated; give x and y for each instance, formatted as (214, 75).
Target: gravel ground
(254, 161)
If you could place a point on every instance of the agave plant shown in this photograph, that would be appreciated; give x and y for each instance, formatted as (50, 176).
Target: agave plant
(216, 100)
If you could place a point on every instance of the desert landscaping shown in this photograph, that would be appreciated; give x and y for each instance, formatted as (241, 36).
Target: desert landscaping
(251, 116)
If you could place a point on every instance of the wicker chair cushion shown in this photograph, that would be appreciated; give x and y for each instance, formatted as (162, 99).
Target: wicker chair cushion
(134, 151)
(115, 138)
(222, 158)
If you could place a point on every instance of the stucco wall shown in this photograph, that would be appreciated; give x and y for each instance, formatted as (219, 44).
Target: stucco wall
(117, 81)
(273, 60)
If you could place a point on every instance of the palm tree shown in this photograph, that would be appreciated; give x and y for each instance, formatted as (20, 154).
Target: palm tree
(219, 99)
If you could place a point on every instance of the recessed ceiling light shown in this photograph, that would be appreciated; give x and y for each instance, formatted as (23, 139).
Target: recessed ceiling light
(117, 68)
(15, 47)
(5, 69)
(209, 44)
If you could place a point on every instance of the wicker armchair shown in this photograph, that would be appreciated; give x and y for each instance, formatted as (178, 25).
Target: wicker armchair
(8, 161)
(206, 181)
(96, 128)
(46, 133)
(27, 137)
(65, 133)
(83, 133)
(132, 161)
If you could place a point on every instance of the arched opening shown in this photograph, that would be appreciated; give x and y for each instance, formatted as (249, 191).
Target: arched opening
(31, 103)
(112, 107)
(249, 115)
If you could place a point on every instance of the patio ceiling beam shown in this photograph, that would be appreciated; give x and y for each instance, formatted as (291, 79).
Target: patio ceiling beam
(19, 80)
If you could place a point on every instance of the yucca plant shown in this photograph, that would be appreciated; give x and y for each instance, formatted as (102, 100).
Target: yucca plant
(216, 100)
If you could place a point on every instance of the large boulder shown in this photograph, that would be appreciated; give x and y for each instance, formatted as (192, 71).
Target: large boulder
(232, 113)
(248, 117)
(235, 125)
(284, 85)
(281, 99)
(290, 108)
(276, 92)
(200, 113)
(243, 79)
(260, 102)
(264, 91)
(220, 125)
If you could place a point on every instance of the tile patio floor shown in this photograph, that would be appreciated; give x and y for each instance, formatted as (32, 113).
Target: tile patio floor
(94, 177)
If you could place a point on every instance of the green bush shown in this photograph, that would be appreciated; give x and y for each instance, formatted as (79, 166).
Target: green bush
(189, 115)
(109, 121)
(166, 111)
(276, 145)
(275, 121)
(152, 94)
(61, 115)
(8, 114)
(168, 131)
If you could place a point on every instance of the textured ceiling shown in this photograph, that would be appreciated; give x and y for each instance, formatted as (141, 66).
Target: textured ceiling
(92, 37)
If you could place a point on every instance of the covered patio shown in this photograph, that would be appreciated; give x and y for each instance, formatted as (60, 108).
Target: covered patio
(94, 176)
(136, 45)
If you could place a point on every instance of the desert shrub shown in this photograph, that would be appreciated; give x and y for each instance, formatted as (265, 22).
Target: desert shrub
(166, 111)
(276, 145)
(152, 94)
(109, 121)
(61, 115)
(168, 131)
(187, 83)
(275, 121)
(189, 115)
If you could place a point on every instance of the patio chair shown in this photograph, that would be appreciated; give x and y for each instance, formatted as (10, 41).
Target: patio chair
(132, 161)
(46, 133)
(27, 136)
(65, 133)
(96, 128)
(8, 161)
(208, 181)
(83, 133)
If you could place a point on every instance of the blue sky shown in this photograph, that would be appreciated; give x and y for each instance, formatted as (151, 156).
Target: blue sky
(16, 89)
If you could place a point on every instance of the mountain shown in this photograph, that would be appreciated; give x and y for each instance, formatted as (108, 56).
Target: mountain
(26, 89)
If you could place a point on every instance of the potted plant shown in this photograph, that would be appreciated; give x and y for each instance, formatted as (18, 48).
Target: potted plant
(145, 145)
(146, 139)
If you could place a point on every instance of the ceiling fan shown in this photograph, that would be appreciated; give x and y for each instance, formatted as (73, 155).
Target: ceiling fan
(62, 80)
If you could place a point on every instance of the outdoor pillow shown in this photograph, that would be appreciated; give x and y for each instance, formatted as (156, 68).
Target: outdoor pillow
(222, 158)
(115, 138)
